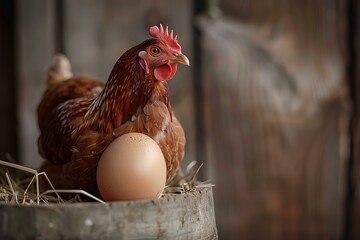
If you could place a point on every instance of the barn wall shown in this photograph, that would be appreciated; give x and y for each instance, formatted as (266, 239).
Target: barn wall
(276, 116)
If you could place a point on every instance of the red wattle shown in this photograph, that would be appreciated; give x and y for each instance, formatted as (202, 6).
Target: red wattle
(165, 72)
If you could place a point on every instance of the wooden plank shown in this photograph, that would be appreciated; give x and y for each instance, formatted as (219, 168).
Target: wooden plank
(95, 36)
(187, 216)
(276, 119)
(35, 48)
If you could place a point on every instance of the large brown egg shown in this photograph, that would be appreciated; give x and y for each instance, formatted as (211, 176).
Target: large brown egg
(131, 168)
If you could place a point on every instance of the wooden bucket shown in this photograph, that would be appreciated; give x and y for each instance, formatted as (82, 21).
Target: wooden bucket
(176, 216)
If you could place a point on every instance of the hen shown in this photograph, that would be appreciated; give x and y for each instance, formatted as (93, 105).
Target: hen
(79, 117)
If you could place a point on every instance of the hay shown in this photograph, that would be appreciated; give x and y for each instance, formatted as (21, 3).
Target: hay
(186, 182)
(21, 185)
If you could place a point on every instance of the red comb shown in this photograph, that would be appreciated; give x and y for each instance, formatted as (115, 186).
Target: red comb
(164, 35)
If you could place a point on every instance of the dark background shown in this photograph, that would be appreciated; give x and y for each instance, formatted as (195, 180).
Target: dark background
(8, 120)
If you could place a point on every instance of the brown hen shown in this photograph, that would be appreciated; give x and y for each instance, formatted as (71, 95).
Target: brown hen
(79, 117)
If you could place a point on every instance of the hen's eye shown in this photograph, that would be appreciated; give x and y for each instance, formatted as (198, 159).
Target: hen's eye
(155, 51)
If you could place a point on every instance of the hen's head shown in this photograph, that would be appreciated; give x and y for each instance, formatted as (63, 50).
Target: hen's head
(162, 55)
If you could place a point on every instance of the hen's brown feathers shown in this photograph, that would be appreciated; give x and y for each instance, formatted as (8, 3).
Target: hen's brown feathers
(156, 121)
(79, 118)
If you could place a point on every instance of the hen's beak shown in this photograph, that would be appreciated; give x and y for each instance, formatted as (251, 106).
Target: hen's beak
(181, 59)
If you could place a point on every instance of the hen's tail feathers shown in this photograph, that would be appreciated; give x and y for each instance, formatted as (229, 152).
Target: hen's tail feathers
(59, 70)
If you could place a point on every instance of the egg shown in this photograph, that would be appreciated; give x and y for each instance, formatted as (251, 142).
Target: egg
(132, 167)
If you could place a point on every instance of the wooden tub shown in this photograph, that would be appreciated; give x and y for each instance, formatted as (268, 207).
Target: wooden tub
(188, 216)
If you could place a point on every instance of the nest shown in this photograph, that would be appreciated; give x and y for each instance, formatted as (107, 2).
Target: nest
(21, 185)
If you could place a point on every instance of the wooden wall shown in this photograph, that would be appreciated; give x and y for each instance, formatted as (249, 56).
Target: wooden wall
(276, 116)
(35, 47)
(94, 34)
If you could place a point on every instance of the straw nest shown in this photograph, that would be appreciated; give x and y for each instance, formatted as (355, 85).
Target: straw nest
(22, 185)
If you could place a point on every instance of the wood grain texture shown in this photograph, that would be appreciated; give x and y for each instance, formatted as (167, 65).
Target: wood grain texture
(276, 119)
(189, 216)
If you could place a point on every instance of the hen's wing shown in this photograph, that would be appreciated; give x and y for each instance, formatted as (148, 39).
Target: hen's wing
(155, 121)
(60, 92)
(60, 113)
(72, 151)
